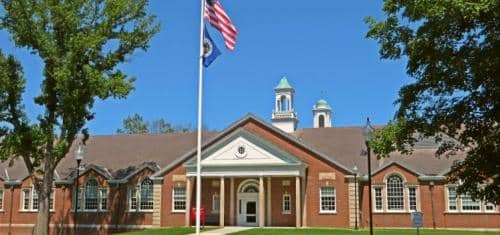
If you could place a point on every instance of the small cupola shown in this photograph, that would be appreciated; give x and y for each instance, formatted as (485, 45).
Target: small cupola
(284, 115)
(322, 114)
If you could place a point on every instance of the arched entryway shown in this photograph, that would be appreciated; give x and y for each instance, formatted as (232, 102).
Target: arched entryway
(247, 203)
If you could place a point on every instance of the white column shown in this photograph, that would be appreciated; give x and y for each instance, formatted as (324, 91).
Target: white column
(304, 202)
(297, 202)
(221, 202)
(268, 202)
(189, 190)
(231, 202)
(261, 201)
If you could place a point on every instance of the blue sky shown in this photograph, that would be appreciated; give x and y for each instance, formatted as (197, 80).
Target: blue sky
(319, 45)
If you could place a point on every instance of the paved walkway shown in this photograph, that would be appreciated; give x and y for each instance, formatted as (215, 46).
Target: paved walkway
(225, 230)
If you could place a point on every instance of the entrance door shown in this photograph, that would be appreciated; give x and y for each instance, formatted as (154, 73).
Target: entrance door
(248, 203)
(248, 210)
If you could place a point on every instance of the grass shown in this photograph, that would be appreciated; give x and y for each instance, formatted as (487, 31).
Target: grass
(351, 232)
(166, 231)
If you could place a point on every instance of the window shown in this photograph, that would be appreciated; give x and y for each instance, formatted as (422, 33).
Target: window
(215, 203)
(412, 199)
(468, 204)
(452, 199)
(26, 199)
(321, 121)
(287, 198)
(179, 199)
(395, 199)
(1, 199)
(132, 203)
(34, 200)
(327, 199)
(104, 199)
(283, 103)
(146, 194)
(51, 199)
(91, 197)
(490, 207)
(378, 199)
(80, 199)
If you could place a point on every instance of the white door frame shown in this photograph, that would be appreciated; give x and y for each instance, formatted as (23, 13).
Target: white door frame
(244, 197)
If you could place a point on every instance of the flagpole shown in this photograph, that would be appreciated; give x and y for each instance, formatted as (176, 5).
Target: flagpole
(198, 147)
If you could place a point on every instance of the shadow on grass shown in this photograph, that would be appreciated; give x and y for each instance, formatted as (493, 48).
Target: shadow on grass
(271, 231)
(164, 231)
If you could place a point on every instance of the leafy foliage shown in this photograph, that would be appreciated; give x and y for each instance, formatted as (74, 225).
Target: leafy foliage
(81, 43)
(137, 125)
(452, 47)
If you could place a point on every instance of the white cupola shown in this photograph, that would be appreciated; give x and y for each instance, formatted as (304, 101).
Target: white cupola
(322, 114)
(284, 116)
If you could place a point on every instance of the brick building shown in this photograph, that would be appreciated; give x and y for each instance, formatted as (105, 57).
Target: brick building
(254, 173)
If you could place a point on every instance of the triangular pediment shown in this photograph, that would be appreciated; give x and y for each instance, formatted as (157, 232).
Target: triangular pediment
(245, 148)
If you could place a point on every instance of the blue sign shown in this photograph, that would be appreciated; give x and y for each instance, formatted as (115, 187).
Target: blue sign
(416, 219)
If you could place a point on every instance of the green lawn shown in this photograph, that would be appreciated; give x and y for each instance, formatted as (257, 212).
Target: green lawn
(351, 232)
(166, 231)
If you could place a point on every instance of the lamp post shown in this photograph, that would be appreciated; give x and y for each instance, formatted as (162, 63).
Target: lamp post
(355, 169)
(368, 135)
(79, 152)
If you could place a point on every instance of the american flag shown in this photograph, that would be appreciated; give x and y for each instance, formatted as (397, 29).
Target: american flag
(217, 17)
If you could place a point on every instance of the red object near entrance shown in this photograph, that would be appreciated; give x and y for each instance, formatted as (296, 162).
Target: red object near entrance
(202, 215)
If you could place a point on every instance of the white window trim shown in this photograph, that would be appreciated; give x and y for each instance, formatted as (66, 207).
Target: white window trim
(283, 210)
(416, 198)
(30, 200)
(215, 210)
(23, 199)
(470, 211)
(490, 211)
(74, 202)
(139, 198)
(321, 211)
(81, 198)
(459, 203)
(129, 193)
(447, 199)
(101, 197)
(405, 195)
(84, 193)
(375, 198)
(173, 200)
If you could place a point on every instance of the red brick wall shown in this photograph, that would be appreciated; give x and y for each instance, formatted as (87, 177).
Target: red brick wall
(117, 213)
(441, 217)
(168, 217)
(315, 166)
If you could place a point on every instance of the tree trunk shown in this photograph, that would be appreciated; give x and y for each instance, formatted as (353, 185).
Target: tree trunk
(43, 216)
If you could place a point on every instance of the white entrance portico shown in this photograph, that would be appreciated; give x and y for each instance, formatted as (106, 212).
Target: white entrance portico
(248, 159)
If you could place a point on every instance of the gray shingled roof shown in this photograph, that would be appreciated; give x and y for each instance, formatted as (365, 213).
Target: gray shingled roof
(120, 155)
(346, 145)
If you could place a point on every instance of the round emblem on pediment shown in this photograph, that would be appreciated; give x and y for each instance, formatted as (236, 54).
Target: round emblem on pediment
(241, 151)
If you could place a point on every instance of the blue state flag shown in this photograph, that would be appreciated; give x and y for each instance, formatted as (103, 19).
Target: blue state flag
(210, 51)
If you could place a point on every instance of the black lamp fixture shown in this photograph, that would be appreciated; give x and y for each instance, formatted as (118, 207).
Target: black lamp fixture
(368, 136)
(355, 170)
(79, 153)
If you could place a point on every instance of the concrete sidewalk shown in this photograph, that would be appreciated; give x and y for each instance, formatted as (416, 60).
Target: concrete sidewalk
(225, 230)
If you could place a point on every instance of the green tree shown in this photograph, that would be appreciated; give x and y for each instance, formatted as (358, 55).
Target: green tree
(160, 126)
(452, 49)
(134, 125)
(81, 43)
